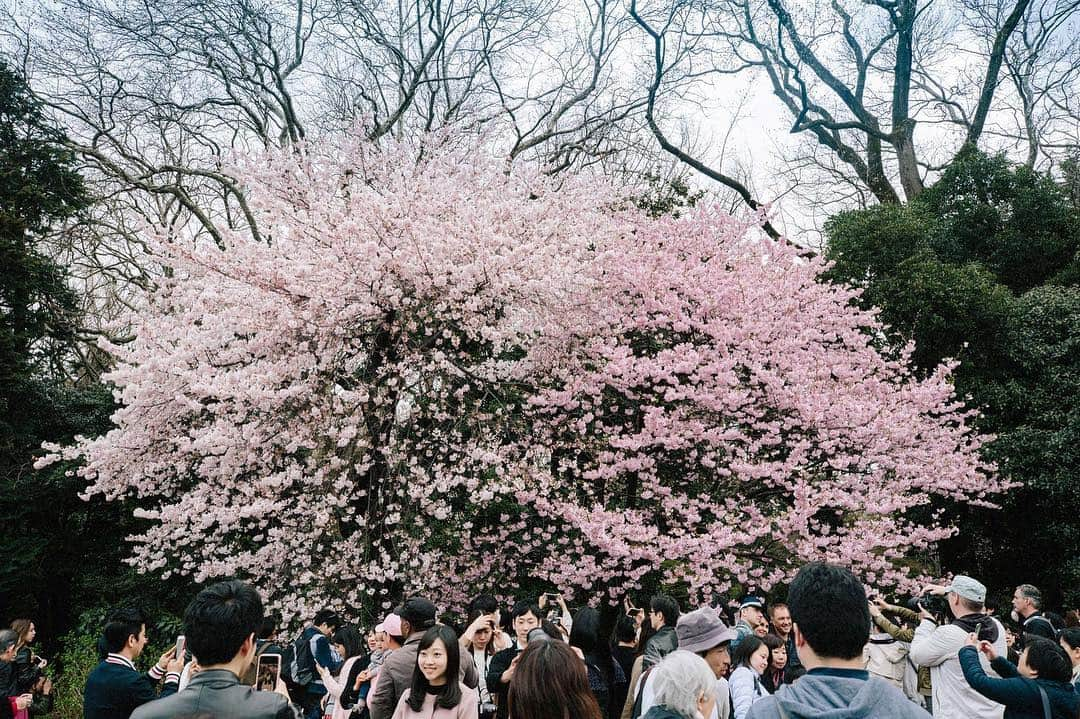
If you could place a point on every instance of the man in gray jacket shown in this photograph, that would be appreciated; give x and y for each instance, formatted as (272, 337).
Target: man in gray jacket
(220, 625)
(417, 616)
(831, 623)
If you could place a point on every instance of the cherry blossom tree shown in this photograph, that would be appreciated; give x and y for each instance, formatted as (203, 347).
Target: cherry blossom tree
(446, 377)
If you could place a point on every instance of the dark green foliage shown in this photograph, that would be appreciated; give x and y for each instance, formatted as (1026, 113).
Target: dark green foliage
(667, 197)
(983, 268)
(60, 555)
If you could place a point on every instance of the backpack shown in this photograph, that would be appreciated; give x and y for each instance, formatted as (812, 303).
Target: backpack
(300, 662)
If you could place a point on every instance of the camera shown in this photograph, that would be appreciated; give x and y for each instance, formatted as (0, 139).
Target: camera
(487, 710)
(933, 603)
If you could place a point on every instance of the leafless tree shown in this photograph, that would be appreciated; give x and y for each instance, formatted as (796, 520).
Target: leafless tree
(887, 91)
(154, 96)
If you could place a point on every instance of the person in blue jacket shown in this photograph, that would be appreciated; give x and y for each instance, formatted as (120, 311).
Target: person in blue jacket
(115, 688)
(1038, 689)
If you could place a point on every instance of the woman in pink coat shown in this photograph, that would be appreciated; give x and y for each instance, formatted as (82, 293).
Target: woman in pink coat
(436, 692)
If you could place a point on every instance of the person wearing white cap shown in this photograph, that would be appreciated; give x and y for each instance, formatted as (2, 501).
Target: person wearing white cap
(703, 633)
(939, 647)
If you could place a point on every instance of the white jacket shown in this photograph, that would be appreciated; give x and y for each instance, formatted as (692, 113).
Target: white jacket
(937, 648)
(746, 688)
(886, 657)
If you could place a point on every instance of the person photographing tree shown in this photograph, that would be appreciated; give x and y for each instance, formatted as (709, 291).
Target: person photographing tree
(938, 647)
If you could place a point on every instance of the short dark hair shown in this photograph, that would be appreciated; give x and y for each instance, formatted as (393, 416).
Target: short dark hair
(451, 697)
(1048, 658)
(483, 604)
(1071, 636)
(777, 605)
(526, 607)
(123, 623)
(625, 629)
(828, 605)
(269, 626)
(327, 616)
(667, 606)
(746, 648)
(220, 618)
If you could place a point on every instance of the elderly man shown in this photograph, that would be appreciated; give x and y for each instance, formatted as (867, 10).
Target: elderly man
(937, 647)
(1027, 603)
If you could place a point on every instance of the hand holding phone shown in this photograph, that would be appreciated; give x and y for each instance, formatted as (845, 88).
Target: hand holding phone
(268, 672)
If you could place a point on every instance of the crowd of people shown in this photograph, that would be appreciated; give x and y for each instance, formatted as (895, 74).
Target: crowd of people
(832, 650)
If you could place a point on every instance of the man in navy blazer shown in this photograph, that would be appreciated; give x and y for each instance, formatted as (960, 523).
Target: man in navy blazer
(115, 688)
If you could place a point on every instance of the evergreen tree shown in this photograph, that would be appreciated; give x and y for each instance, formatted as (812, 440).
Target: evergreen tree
(983, 268)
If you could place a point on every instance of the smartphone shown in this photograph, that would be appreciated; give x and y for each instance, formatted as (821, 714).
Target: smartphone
(181, 646)
(267, 672)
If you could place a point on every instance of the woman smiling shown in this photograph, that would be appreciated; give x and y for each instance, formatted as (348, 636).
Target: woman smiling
(436, 692)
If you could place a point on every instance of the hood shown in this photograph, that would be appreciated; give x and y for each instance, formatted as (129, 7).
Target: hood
(827, 696)
(982, 624)
(887, 649)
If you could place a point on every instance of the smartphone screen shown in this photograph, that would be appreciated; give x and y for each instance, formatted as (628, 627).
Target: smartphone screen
(181, 646)
(267, 672)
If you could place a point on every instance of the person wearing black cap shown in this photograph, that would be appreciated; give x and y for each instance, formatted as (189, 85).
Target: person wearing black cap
(751, 613)
(417, 616)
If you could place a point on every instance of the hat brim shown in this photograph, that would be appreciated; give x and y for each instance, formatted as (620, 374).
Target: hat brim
(710, 641)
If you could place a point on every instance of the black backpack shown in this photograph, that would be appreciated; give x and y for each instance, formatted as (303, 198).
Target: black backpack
(299, 663)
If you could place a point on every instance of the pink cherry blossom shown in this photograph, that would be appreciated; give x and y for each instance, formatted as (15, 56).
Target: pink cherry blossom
(445, 377)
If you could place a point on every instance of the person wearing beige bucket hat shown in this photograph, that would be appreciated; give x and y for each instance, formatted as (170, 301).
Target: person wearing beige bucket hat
(705, 634)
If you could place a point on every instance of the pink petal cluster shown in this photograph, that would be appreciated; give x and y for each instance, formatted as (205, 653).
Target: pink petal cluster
(445, 377)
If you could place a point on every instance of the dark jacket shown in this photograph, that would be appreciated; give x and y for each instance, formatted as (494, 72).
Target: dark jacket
(499, 690)
(1019, 694)
(664, 642)
(659, 712)
(323, 655)
(27, 672)
(218, 694)
(1036, 626)
(610, 691)
(115, 689)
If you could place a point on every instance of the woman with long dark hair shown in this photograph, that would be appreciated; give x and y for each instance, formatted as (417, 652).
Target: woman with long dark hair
(551, 682)
(436, 692)
(350, 644)
(606, 678)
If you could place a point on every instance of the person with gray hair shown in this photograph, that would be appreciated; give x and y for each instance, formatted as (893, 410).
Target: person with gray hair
(8, 680)
(1027, 606)
(684, 687)
(703, 633)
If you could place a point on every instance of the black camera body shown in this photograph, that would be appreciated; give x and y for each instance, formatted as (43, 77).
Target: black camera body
(933, 603)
